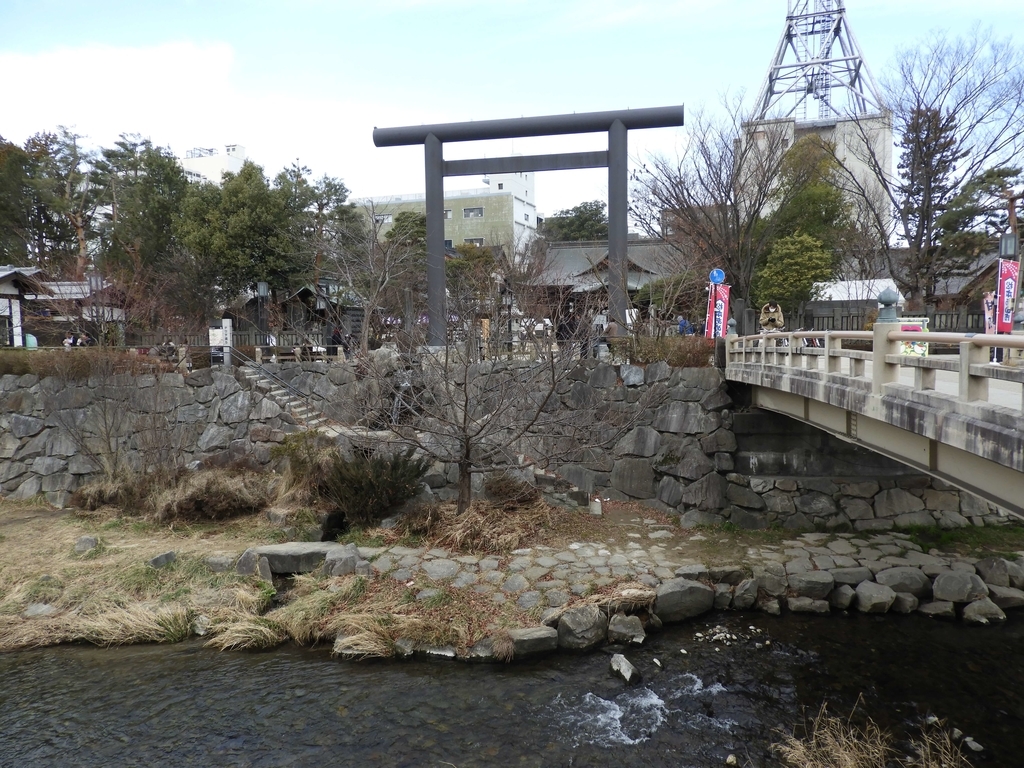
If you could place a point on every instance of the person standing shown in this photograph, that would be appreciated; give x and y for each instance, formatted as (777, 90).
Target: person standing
(772, 318)
(69, 340)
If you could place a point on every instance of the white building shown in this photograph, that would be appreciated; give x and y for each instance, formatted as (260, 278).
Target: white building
(209, 165)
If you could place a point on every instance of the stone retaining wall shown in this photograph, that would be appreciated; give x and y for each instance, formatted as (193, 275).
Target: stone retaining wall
(54, 434)
(681, 457)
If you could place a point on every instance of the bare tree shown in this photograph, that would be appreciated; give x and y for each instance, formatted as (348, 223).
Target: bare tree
(371, 268)
(714, 202)
(957, 108)
(501, 414)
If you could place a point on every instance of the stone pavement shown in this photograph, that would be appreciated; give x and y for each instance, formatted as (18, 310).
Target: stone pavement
(549, 578)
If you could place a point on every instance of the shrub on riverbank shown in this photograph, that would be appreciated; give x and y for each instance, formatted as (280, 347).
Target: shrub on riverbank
(78, 364)
(677, 351)
(207, 495)
(832, 742)
(484, 528)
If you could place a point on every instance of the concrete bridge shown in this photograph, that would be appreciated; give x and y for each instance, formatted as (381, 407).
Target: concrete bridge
(951, 414)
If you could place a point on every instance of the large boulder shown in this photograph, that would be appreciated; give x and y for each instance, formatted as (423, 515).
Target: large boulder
(807, 605)
(938, 609)
(582, 628)
(634, 477)
(993, 570)
(983, 611)
(680, 599)
(745, 595)
(874, 598)
(959, 587)
(852, 576)
(813, 584)
(626, 629)
(642, 441)
(1006, 597)
(895, 502)
(906, 579)
(299, 556)
(842, 597)
(532, 641)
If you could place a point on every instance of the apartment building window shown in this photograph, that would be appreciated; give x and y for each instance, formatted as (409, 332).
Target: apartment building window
(382, 218)
(479, 241)
(447, 213)
(472, 213)
(526, 217)
(500, 185)
(447, 243)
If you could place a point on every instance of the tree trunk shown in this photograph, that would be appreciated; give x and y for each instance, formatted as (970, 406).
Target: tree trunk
(364, 332)
(465, 488)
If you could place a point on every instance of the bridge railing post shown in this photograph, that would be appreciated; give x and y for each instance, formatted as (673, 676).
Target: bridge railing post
(882, 372)
(832, 364)
(972, 387)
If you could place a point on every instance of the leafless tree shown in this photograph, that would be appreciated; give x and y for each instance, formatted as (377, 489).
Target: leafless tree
(371, 268)
(956, 106)
(499, 414)
(713, 202)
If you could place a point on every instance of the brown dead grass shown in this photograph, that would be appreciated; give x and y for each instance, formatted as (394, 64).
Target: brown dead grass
(111, 595)
(833, 742)
(484, 528)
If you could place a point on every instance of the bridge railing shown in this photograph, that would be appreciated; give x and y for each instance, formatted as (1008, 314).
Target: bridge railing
(828, 352)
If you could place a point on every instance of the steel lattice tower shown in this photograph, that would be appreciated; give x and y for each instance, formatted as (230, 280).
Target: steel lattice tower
(817, 57)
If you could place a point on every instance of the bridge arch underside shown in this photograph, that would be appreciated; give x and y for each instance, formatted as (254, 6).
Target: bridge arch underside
(975, 446)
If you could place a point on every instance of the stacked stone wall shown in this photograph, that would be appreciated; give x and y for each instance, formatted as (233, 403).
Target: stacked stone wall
(54, 434)
(690, 454)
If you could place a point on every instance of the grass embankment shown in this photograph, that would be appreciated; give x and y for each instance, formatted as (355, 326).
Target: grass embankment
(110, 595)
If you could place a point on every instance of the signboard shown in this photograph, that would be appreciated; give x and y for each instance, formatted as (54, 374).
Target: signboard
(715, 324)
(1006, 294)
(914, 348)
(717, 276)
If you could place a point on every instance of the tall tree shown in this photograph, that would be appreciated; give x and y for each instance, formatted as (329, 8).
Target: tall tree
(586, 221)
(795, 264)
(957, 106)
(15, 204)
(375, 269)
(143, 189)
(241, 230)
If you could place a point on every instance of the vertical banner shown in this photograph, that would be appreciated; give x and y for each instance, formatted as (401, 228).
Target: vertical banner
(715, 324)
(1006, 294)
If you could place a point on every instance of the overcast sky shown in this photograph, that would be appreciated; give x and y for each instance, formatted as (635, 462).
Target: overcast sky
(309, 79)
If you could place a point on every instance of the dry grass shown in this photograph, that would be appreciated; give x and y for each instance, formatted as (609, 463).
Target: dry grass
(484, 528)
(207, 495)
(213, 495)
(248, 633)
(832, 742)
(364, 618)
(111, 595)
(503, 646)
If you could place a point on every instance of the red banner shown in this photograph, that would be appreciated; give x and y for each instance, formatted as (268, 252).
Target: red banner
(716, 323)
(1006, 294)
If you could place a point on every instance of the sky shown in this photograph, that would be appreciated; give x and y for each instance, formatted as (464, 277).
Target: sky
(308, 80)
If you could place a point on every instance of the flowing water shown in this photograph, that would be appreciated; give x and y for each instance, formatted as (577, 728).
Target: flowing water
(184, 705)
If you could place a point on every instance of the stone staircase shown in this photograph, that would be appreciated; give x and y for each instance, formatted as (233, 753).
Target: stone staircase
(290, 402)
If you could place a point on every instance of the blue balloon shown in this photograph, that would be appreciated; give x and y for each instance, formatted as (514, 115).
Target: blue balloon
(717, 276)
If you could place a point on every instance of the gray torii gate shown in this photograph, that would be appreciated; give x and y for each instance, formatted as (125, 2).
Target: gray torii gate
(433, 137)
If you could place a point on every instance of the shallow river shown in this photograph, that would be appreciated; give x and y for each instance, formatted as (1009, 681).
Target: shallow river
(184, 705)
